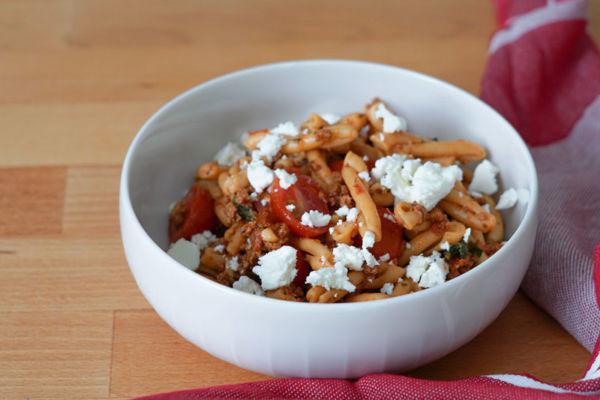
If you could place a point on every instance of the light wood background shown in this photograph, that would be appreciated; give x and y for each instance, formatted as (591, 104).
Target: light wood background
(79, 77)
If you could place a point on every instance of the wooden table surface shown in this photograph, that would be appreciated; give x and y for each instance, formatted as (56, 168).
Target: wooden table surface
(77, 80)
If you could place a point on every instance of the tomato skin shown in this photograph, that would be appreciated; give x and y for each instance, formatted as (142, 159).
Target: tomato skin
(391, 242)
(302, 268)
(194, 213)
(305, 196)
(336, 165)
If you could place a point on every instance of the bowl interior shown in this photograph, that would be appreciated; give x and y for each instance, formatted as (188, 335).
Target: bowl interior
(194, 126)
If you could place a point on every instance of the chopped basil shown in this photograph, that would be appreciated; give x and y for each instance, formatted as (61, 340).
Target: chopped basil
(458, 250)
(475, 250)
(244, 212)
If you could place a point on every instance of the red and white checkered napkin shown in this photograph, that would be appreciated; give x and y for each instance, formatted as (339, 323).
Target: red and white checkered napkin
(543, 75)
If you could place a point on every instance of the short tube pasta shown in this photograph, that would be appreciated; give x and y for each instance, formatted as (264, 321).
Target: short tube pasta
(336, 209)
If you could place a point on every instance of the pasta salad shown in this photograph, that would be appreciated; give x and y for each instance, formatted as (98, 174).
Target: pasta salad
(340, 209)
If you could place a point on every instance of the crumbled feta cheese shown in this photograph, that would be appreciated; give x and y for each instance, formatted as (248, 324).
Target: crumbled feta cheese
(368, 240)
(286, 129)
(387, 288)
(349, 213)
(411, 181)
(245, 284)
(290, 207)
(391, 123)
(384, 258)
(365, 158)
(268, 147)
(330, 118)
(259, 175)
(331, 278)
(389, 217)
(253, 196)
(348, 256)
(369, 258)
(487, 208)
(331, 230)
(285, 178)
(507, 199)
(315, 219)
(264, 202)
(467, 235)
(364, 175)
(203, 239)
(277, 268)
(445, 246)
(219, 248)
(186, 253)
(233, 263)
(229, 154)
(427, 271)
(484, 178)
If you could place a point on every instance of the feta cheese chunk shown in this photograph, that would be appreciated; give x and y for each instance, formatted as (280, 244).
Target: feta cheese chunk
(467, 235)
(364, 175)
(507, 199)
(391, 123)
(268, 147)
(286, 129)
(315, 219)
(348, 256)
(285, 178)
(411, 181)
(259, 175)
(387, 288)
(186, 253)
(368, 240)
(229, 154)
(331, 278)
(203, 239)
(369, 258)
(245, 284)
(349, 213)
(484, 178)
(277, 268)
(330, 118)
(445, 246)
(427, 271)
(233, 263)
(290, 207)
(384, 258)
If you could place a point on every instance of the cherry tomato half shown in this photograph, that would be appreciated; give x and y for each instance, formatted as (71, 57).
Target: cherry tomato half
(305, 196)
(391, 242)
(193, 214)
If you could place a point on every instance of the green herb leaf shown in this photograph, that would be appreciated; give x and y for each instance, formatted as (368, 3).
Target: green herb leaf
(244, 212)
(458, 250)
(475, 250)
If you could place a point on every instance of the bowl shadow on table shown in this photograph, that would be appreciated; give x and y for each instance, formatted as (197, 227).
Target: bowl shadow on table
(524, 339)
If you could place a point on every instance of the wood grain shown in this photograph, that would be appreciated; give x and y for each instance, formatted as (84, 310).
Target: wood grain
(77, 80)
(31, 200)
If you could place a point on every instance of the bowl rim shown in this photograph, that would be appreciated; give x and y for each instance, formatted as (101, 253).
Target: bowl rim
(125, 205)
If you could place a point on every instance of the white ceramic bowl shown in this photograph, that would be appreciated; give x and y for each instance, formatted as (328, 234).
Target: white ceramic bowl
(300, 339)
